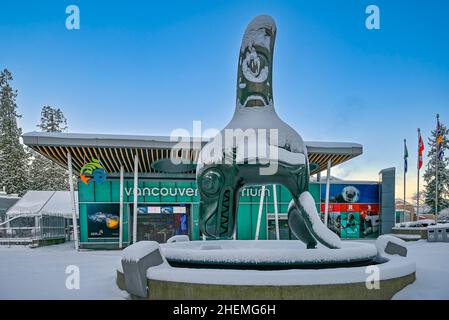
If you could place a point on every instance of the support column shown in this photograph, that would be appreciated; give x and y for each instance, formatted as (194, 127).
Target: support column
(73, 201)
(259, 216)
(120, 235)
(326, 205)
(37, 227)
(136, 173)
(276, 214)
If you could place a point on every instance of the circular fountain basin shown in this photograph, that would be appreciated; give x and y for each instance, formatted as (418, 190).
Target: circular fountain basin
(243, 270)
(266, 255)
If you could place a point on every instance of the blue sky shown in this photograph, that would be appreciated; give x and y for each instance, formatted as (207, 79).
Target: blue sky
(148, 67)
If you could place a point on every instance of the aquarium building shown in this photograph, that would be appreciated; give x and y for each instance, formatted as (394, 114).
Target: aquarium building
(112, 215)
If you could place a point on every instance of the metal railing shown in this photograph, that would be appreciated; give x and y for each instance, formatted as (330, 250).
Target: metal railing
(28, 229)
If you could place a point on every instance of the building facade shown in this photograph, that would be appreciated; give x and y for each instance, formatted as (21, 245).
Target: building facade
(167, 200)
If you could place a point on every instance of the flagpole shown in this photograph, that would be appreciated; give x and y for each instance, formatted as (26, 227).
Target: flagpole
(436, 175)
(405, 173)
(417, 183)
(436, 187)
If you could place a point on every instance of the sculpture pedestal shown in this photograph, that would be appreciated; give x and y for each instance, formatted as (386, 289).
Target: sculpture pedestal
(170, 290)
(232, 269)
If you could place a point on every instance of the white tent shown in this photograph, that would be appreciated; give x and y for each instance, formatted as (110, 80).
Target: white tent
(37, 216)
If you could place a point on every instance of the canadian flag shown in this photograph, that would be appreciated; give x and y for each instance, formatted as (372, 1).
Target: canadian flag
(420, 150)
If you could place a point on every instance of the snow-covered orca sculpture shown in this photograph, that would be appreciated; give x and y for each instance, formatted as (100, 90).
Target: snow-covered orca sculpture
(256, 139)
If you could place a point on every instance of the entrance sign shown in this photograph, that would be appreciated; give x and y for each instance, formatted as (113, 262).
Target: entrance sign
(93, 171)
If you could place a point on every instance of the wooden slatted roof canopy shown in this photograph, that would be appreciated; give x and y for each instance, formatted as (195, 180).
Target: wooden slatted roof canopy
(116, 150)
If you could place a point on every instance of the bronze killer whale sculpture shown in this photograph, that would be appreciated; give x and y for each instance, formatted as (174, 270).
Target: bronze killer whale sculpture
(241, 155)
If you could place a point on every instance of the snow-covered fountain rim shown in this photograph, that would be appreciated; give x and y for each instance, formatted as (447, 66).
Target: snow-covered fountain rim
(265, 252)
(395, 267)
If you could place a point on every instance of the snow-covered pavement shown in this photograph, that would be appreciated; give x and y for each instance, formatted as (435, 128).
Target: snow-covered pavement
(432, 271)
(40, 273)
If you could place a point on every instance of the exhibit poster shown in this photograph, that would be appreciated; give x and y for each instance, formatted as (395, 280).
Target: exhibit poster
(350, 225)
(353, 210)
(103, 220)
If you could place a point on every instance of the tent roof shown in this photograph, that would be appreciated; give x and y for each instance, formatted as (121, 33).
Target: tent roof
(59, 204)
(53, 203)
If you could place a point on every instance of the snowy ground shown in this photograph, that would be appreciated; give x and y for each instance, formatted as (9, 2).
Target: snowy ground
(40, 273)
(432, 271)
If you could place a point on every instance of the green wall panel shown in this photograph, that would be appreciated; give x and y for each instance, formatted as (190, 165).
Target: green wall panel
(166, 189)
(115, 190)
(150, 196)
(128, 196)
(196, 196)
(102, 191)
(283, 208)
(141, 186)
(314, 190)
(86, 192)
(244, 195)
(194, 221)
(125, 224)
(83, 222)
(285, 195)
(184, 197)
(254, 218)
(269, 200)
(244, 222)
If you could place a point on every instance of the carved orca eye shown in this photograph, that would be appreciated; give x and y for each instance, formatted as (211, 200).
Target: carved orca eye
(211, 182)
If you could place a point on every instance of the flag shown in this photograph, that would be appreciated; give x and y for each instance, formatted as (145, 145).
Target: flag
(420, 150)
(439, 140)
(405, 156)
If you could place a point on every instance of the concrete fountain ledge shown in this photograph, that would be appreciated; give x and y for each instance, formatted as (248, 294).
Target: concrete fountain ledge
(167, 282)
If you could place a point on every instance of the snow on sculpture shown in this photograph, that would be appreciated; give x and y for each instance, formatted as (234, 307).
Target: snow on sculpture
(257, 148)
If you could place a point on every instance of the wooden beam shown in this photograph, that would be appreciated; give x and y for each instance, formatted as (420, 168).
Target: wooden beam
(82, 156)
(148, 161)
(103, 159)
(119, 162)
(44, 153)
(55, 155)
(75, 163)
(130, 159)
(112, 159)
(143, 160)
(128, 168)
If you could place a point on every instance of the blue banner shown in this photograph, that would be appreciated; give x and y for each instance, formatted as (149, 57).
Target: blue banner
(351, 193)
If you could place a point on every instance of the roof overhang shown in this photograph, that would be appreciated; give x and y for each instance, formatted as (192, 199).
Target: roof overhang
(117, 150)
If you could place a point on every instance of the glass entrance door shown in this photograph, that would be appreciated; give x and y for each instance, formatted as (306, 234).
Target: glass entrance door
(161, 222)
(284, 230)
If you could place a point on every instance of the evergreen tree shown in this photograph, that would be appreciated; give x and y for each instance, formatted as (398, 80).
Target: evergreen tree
(52, 120)
(13, 158)
(443, 172)
(45, 174)
(422, 197)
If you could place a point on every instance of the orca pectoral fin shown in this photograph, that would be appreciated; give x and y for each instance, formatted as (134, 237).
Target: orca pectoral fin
(306, 208)
(299, 227)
